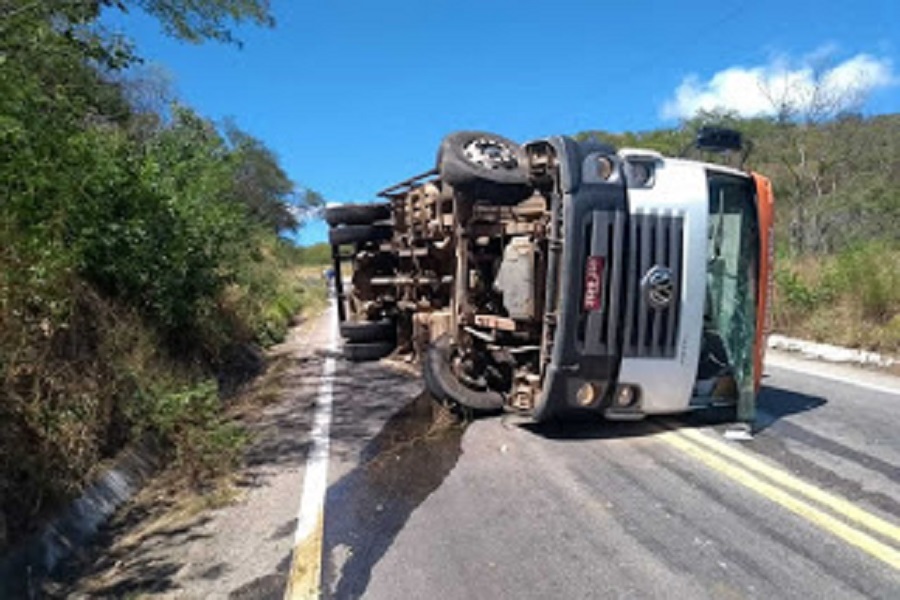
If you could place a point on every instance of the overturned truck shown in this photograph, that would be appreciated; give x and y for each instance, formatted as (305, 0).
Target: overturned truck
(563, 277)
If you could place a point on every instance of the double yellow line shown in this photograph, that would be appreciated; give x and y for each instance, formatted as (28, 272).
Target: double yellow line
(871, 534)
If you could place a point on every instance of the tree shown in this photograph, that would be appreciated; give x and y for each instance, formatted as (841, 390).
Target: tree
(818, 149)
(190, 20)
(199, 20)
(259, 182)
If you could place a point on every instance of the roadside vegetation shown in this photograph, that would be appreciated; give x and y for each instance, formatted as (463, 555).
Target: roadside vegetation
(835, 176)
(141, 257)
(316, 254)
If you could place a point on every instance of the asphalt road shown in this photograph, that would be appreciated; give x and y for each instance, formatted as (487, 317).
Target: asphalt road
(665, 508)
(419, 507)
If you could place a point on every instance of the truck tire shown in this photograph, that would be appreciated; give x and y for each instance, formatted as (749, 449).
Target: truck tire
(366, 351)
(484, 164)
(368, 331)
(357, 234)
(357, 214)
(443, 384)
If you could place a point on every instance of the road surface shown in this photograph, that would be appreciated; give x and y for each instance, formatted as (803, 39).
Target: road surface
(412, 506)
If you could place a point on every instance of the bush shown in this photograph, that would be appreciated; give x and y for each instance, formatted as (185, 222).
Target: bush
(868, 273)
(794, 293)
(851, 298)
(72, 363)
(203, 444)
(797, 292)
(317, 254)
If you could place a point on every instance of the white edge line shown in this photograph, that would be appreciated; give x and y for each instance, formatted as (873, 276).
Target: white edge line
(847, 381)
(315, 479)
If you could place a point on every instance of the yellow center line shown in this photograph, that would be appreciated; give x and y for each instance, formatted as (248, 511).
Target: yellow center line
(851, 535)
(304, 579)
(786, 480)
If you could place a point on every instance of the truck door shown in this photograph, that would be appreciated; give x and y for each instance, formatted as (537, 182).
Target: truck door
(733, 268)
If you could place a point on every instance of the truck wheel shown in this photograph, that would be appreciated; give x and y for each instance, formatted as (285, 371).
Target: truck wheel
(357, 214)
(366, 351)
(356, 234)
(485, 164)
(443, 384)
(368, 331)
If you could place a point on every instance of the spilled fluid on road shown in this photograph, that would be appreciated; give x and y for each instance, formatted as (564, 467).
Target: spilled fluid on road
(414, 452)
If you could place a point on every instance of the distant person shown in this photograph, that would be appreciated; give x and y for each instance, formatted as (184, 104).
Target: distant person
(328, 274)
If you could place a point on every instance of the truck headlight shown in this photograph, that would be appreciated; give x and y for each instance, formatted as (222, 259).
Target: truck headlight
(626, 395)
(605, 168)
(586, 394)
(640, 173)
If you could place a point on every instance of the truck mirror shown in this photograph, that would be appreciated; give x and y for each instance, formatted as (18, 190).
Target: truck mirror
(718, 139)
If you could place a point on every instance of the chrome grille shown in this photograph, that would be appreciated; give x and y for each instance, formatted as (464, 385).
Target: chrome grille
(655, 238)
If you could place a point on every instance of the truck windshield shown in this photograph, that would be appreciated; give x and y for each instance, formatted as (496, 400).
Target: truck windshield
(732, 268)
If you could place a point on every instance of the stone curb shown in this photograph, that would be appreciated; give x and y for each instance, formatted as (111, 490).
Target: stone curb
(23, 568)
(830, 353)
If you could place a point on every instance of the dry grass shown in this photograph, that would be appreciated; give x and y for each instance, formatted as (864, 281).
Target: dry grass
(852, 299)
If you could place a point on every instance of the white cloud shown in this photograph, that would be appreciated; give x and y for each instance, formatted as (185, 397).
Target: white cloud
(804, 88)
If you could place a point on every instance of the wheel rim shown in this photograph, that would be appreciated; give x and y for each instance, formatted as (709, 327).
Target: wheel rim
(490, 154)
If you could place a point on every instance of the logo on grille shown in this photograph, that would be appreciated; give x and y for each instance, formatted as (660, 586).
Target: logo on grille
(659, 286)
(593, 283)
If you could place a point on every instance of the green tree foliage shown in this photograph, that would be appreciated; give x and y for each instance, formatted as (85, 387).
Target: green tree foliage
(260, 183)
(198, 21)
(139, 251)
(316, 254)
(193, 21)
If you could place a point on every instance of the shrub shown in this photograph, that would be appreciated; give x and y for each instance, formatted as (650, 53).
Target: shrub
(190, 421)
(868, 273)
(850, 298)
(795, 295)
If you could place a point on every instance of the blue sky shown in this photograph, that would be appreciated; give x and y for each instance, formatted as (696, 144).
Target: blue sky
(356, 95)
